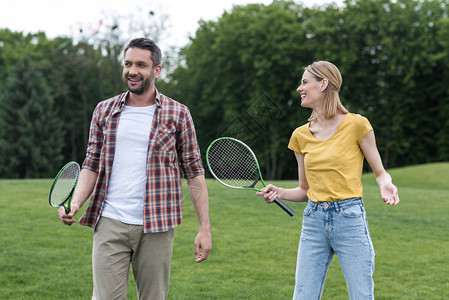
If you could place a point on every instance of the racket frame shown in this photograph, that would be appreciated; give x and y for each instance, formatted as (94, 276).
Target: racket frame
(68, 199)
(278, 201)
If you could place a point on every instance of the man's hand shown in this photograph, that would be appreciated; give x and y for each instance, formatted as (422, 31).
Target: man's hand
(200, 200)
(83, 189)
(65, 218)
(203, 241)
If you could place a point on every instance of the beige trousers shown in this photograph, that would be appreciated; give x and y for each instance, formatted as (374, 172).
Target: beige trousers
(117, 245)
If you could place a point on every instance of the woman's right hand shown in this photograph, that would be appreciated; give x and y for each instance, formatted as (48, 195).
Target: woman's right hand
(269, 193)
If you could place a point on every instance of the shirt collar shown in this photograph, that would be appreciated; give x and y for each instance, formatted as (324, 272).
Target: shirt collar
(158, 99)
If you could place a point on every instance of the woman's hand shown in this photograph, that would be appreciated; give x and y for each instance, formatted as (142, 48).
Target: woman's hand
(389, 193)
(269, 193)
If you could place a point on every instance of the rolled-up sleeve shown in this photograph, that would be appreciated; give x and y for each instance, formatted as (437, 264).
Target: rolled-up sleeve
(188, 148)
(94, 144)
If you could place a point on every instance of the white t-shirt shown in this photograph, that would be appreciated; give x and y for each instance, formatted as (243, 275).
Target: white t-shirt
(126, 190)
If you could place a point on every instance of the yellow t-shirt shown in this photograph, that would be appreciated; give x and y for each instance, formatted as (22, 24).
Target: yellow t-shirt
(333, 167)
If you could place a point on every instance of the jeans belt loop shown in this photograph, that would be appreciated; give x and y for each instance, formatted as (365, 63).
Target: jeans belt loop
(337, 206)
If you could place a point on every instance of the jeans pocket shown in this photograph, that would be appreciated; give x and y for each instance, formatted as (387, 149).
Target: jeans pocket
(353, 211)
(308, 210)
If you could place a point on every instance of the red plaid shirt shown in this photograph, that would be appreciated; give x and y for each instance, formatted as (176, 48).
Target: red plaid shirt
(173, 147)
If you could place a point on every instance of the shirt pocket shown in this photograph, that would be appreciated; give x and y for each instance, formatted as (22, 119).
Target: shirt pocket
(166, 138)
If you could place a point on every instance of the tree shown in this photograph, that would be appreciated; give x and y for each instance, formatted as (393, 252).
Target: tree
(14, 45)
(77, 85)
(238, 79)
(89, 70)
(31, 135)
(441, 57)
(239, 74)
(79, 72)
(390, 54)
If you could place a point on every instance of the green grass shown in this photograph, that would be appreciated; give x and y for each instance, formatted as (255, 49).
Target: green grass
(254, 244)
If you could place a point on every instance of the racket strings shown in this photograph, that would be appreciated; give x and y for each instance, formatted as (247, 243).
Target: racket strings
(233, 163)
(64, 184)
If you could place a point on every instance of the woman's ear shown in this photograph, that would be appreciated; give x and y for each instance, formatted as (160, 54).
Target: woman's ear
(324, 84)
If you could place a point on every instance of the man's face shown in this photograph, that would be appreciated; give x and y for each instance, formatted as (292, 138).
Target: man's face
(138, 71)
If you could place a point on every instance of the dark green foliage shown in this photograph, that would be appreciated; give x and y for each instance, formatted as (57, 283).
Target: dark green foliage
(79, 81)
(238, 75)
(238, 80)
(75, 75)
(393, 56)
(31, 135)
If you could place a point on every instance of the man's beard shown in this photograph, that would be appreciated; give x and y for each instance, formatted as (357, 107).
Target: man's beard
(146, 84)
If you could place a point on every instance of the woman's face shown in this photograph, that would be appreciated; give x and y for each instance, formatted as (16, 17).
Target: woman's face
(312, 94)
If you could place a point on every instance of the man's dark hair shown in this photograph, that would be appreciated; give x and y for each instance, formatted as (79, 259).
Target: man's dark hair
(147, 44)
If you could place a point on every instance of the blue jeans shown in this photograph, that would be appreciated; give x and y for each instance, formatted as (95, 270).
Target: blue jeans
(335, 227)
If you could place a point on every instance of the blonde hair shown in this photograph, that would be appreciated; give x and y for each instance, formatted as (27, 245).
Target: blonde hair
(331, 105)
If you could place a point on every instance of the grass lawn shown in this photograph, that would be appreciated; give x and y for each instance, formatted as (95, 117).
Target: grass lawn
(254, 250)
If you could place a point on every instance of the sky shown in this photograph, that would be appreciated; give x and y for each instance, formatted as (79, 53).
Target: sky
(64, 18)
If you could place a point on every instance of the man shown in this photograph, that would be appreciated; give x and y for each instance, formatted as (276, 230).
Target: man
(138, 142)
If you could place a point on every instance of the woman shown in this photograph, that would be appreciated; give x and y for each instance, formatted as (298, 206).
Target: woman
(330, 150)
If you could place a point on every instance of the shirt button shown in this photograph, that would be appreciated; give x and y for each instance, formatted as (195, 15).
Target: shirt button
(326, 205)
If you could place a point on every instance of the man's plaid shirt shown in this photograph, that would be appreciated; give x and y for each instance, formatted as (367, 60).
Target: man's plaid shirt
(173, 146)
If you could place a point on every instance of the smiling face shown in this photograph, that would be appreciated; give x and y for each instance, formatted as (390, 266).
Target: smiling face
(311, 90)
(138, 71)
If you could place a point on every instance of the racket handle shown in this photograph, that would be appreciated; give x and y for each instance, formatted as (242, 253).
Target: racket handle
(66, 206)
(67, 210)
(285, 207)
